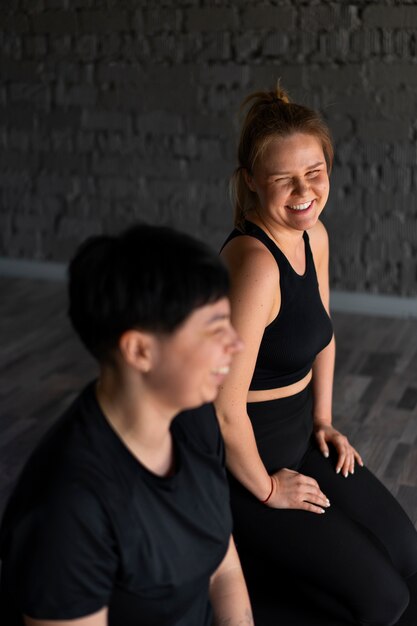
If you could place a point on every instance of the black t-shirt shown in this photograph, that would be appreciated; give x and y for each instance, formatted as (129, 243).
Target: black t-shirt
(88, 526)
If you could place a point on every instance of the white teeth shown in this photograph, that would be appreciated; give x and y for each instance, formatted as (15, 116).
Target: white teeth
(222, 370)
(301, 207)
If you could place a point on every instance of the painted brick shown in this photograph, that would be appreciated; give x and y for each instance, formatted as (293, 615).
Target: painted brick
(115, 187)
(18, 140)
(54, 184)
(35, 46)
(119, 72)
(106, 120)
(19, 71)
(55, 22)
(66, 117)
(391, 75)
(217, 47)
(269, 18)
(159, 122)
(247, 45)
(60, 45)
(157, 20)
(384, 130)
(265, 76)
(225, 74)
(11, 46)
(86, 47)
(319, 17)
(210, 19)
(348, 77)
(15, 23)
(37, 95)
(76, 95)
(275, 44)
(133, 102)
(390, 17)
(103, 21)
(68, 163)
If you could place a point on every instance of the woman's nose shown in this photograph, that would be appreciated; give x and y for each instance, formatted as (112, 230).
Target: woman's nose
(301, 186)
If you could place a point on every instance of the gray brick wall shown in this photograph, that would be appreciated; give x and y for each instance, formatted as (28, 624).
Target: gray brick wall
(117, 110)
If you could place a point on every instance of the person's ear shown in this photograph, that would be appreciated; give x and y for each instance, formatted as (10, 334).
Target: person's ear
(248, 179)
(136, 349)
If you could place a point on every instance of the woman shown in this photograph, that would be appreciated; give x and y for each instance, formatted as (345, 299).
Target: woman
(302, 502)
(121, 515)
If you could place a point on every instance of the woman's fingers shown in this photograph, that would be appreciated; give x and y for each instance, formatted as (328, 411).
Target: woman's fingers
(346, 461)
(321, 442)
(358, 457)
(307, 506)
(297, 491)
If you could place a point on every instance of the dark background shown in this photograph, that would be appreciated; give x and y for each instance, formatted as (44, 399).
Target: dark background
(117, 110)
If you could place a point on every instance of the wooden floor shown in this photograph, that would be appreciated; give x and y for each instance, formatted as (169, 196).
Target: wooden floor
(43, 366)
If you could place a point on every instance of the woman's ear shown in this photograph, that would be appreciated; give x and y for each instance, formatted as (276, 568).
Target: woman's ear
(248, 179)
(137, 349)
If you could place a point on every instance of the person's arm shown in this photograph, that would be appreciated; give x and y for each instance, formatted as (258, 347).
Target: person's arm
(228, 592)
(323, 370)
(255, 301)
(96, 619)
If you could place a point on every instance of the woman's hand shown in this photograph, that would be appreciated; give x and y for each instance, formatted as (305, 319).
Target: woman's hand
(292, 490)
(347, 455)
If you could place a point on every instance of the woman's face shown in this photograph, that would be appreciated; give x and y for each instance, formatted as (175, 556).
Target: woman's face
(190, 364)
(291, 181)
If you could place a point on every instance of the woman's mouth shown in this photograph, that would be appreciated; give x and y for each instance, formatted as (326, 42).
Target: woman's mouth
(301, 207)
(221, 371)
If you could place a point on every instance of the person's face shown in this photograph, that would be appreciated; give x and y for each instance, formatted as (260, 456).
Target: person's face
(291, 181)
(191, 363)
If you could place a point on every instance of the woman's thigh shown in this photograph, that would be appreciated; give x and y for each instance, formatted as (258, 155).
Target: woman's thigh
(329, 551)
(364, 499)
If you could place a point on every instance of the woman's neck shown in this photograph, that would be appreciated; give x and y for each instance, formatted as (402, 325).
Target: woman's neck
(287, 239)
(137, 419)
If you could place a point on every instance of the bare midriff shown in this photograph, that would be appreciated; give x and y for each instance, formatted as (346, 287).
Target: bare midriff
(263, 395)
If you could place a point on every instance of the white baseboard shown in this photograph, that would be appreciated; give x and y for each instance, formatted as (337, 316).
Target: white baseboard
(373, 304)
(340, 301)
(42, 270)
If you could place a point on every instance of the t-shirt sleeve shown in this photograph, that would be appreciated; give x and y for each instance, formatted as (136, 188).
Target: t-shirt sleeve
(63, 556)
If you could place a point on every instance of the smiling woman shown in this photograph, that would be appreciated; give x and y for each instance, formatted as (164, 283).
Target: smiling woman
(297, 520)
(121, 515)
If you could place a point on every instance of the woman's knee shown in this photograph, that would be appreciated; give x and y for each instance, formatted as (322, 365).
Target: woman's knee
(386, 603)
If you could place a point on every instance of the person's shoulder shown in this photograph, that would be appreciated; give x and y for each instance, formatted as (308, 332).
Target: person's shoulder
(250, 251)
(61, 456)
(199, 427)
(319, 240)
(253, 269)
(318, 235)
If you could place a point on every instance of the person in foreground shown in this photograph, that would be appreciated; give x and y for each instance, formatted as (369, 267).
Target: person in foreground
(305, 509)
(121, 516)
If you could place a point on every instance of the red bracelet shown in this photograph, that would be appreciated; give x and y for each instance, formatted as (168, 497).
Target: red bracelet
(270, 493)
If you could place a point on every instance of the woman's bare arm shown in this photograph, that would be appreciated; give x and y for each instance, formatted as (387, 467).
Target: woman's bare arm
(254, 285)
(323, 369)
(254, 304)
(228, 592)
(96, 619)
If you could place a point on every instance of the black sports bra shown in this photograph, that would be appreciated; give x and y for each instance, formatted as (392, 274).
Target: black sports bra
(301, 329)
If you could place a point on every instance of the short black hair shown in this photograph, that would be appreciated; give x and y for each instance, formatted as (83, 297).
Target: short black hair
(149, 278)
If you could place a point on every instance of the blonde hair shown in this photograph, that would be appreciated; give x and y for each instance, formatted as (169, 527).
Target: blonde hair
(271, 115)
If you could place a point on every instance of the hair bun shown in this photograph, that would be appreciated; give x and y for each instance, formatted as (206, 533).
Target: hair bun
(280, 95)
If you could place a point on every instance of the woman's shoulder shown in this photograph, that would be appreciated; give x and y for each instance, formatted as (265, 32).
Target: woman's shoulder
(246, 253)
(319, 239)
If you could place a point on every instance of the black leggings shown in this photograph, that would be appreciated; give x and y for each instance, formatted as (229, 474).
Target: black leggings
(357, 555)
